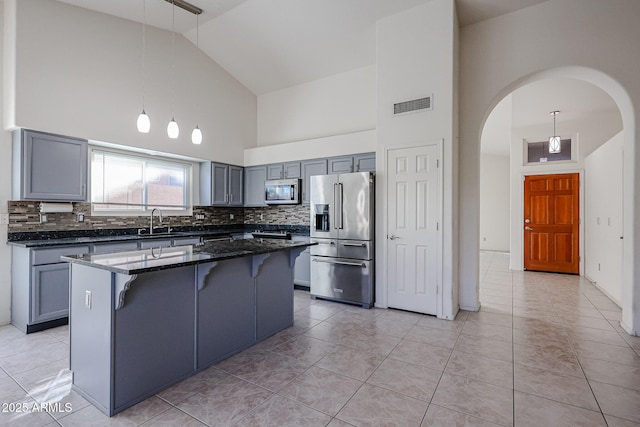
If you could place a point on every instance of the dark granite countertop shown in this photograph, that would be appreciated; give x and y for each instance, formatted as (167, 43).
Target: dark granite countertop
(147, 260)
(70, 238)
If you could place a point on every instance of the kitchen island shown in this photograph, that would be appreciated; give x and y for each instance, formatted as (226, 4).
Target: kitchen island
(143, 320)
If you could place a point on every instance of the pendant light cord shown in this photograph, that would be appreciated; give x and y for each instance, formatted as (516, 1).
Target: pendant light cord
(144, 45)
(173, 58)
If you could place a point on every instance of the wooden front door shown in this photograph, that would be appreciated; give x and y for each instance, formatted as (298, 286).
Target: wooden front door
(551, 223)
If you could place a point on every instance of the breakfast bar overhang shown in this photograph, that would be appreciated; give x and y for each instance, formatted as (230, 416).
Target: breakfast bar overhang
(141, 321)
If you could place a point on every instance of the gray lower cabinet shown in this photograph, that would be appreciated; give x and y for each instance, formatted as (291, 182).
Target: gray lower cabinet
(155, 243)
(186, 241)
(302, 269)
(105, 248)
(221, 184)
(310, 168)
(254, 178)
(49, 167)
(50, 292)
(40, 286)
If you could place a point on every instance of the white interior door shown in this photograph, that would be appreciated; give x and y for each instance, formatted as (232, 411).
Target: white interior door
(413, 193)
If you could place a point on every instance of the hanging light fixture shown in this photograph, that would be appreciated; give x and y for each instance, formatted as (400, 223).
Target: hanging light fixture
(143, 123)
(554, 141)
(172, 128)
(196, 135)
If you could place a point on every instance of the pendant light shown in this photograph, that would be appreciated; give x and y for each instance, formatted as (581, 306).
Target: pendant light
(554, 141)
(196, 135)
(173, 131)
(143, 123)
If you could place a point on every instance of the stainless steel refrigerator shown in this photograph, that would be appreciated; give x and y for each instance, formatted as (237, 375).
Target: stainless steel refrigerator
(342, 223)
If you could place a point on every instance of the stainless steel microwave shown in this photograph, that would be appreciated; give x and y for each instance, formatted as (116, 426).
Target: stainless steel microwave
(282, 191)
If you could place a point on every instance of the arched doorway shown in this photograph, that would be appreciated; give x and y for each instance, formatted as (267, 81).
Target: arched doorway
(630, 317)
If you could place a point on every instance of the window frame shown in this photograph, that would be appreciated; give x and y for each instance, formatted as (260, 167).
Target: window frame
(525, 151)
(149, 160)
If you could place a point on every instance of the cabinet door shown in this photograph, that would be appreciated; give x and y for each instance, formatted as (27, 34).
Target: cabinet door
(105, 248)
(49, 292)
(219, 184)
(341, 165)
(310, 168)
(236, 185)
(155, 243)
(364, 162)
(292, 170)
(53, 167)
(254, 178)
(186, 241)
(275, 171)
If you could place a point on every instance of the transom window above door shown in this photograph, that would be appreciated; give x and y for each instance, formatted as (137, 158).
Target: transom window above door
(538, 151)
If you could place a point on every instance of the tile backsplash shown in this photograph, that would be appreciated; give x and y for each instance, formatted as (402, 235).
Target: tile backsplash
(278, 214)
(24, 216)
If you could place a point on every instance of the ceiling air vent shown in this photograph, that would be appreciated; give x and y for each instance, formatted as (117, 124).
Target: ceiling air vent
(413, 105)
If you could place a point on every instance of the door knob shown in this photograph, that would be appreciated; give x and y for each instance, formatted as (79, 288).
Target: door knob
(527, 221)
(393, 237)
(528, 228)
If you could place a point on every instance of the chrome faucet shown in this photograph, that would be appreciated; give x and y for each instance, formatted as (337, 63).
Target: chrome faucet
(151, 219)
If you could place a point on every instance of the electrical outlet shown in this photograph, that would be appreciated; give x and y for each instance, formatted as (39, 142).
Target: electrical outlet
(87, 299)
(261, 217)
(4, 218)
(231, 216)
(80, 217)
(43, 218)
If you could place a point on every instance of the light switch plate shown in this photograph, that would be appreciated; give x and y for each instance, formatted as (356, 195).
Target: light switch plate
(4, 218)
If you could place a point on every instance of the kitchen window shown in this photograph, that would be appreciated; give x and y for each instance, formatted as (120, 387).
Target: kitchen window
(131, 184)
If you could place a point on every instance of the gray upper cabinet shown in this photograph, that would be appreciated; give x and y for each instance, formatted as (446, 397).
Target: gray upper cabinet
(254, 178)
(310, 168)
(340, 164)
(292, 170)
(221, 184)
(49, 167)
(236, 185)
(284, 170)
(275, 171)
(364, 162)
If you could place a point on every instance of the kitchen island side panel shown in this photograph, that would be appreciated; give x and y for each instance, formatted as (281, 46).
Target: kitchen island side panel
(226, 310)
(154, 334)
(274, 295)
(91, 306)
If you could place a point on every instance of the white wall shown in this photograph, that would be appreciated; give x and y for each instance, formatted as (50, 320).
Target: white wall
(495, 209)
(336, 145)
(585, 39)
(340, 104)
(79, 74)
(5, 196)
(416, 57)
(603, 217)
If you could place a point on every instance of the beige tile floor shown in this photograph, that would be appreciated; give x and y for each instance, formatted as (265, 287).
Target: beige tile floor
(544, 350)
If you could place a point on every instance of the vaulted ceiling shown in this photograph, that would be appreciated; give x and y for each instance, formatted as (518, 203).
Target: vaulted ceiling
(273, 44)
(270, 45)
